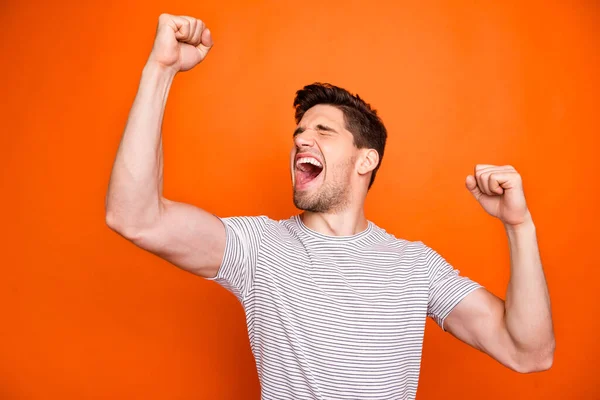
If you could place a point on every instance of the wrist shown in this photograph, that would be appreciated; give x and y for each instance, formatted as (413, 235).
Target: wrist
(156, 80)
(526, 226)
(154, 69)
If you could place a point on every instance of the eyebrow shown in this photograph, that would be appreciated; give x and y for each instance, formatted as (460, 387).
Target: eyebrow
(319, 127)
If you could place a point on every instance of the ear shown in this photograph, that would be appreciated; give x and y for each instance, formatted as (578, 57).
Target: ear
(368, 161)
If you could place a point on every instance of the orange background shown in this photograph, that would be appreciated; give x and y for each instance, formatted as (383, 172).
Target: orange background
(87, 315)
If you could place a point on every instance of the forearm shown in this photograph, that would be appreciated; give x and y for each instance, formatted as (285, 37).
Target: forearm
(135, 188)
(528, 315)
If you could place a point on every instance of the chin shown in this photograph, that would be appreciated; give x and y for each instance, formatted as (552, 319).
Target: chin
(305, 202)
(317, 202)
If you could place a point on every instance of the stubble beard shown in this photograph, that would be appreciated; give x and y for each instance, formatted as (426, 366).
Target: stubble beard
(332, 196)
(329, 198)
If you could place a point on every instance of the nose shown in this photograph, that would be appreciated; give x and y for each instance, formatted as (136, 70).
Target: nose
(305, 139)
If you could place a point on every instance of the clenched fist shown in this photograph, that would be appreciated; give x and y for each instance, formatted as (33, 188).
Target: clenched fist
(181, 42)
(499, 190)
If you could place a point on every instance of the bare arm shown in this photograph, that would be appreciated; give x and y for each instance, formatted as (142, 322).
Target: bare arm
(517, 332)
(185, 235)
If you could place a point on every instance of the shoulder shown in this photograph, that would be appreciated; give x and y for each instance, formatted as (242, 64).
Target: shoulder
(259, 224)
(406, 251)
(384, 238)
(246, 222)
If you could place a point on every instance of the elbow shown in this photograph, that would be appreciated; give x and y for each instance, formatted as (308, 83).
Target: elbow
(538, 361)
(546, 363)
(116, 224)
(131, 222)
(539, 365)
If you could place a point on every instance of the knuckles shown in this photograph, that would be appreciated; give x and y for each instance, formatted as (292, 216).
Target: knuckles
(481, 169)
(190, 22)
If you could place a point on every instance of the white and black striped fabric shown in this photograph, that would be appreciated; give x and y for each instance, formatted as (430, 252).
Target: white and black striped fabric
(336, 317)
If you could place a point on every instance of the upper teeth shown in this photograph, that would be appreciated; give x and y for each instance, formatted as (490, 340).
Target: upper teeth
(309, 160)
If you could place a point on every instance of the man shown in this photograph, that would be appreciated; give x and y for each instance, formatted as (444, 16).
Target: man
(335, 305)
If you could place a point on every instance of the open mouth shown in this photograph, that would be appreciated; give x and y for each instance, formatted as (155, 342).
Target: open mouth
(307, 170)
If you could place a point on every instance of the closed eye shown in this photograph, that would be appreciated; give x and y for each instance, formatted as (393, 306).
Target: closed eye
(324, 128)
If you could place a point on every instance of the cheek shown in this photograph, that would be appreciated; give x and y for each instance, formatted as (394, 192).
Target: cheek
(339, 167)
(292, 155)
(340, 156)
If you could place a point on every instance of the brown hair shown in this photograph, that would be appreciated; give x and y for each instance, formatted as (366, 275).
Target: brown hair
(361, 120)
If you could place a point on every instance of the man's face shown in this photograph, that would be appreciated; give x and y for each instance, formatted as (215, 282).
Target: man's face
(322, 160)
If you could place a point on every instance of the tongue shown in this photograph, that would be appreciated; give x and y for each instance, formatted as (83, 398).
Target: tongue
(308, 172)
(312, 170)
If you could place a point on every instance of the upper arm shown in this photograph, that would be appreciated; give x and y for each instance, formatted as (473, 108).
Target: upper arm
(468, 311)
(478, 320)
(187, 236)
(447, 287)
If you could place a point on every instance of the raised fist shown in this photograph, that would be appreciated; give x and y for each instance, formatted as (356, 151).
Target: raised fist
(181, 42)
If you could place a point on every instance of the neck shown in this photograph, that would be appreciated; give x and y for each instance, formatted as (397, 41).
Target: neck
(345, 223)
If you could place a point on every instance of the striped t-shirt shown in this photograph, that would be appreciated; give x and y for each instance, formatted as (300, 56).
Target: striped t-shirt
(335, 317)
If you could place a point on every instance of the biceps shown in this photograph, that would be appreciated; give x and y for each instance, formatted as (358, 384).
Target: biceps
(188, 237)
(478, 320)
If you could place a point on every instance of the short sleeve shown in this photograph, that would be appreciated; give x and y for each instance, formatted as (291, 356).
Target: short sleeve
(446, 286)
(243, 238)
